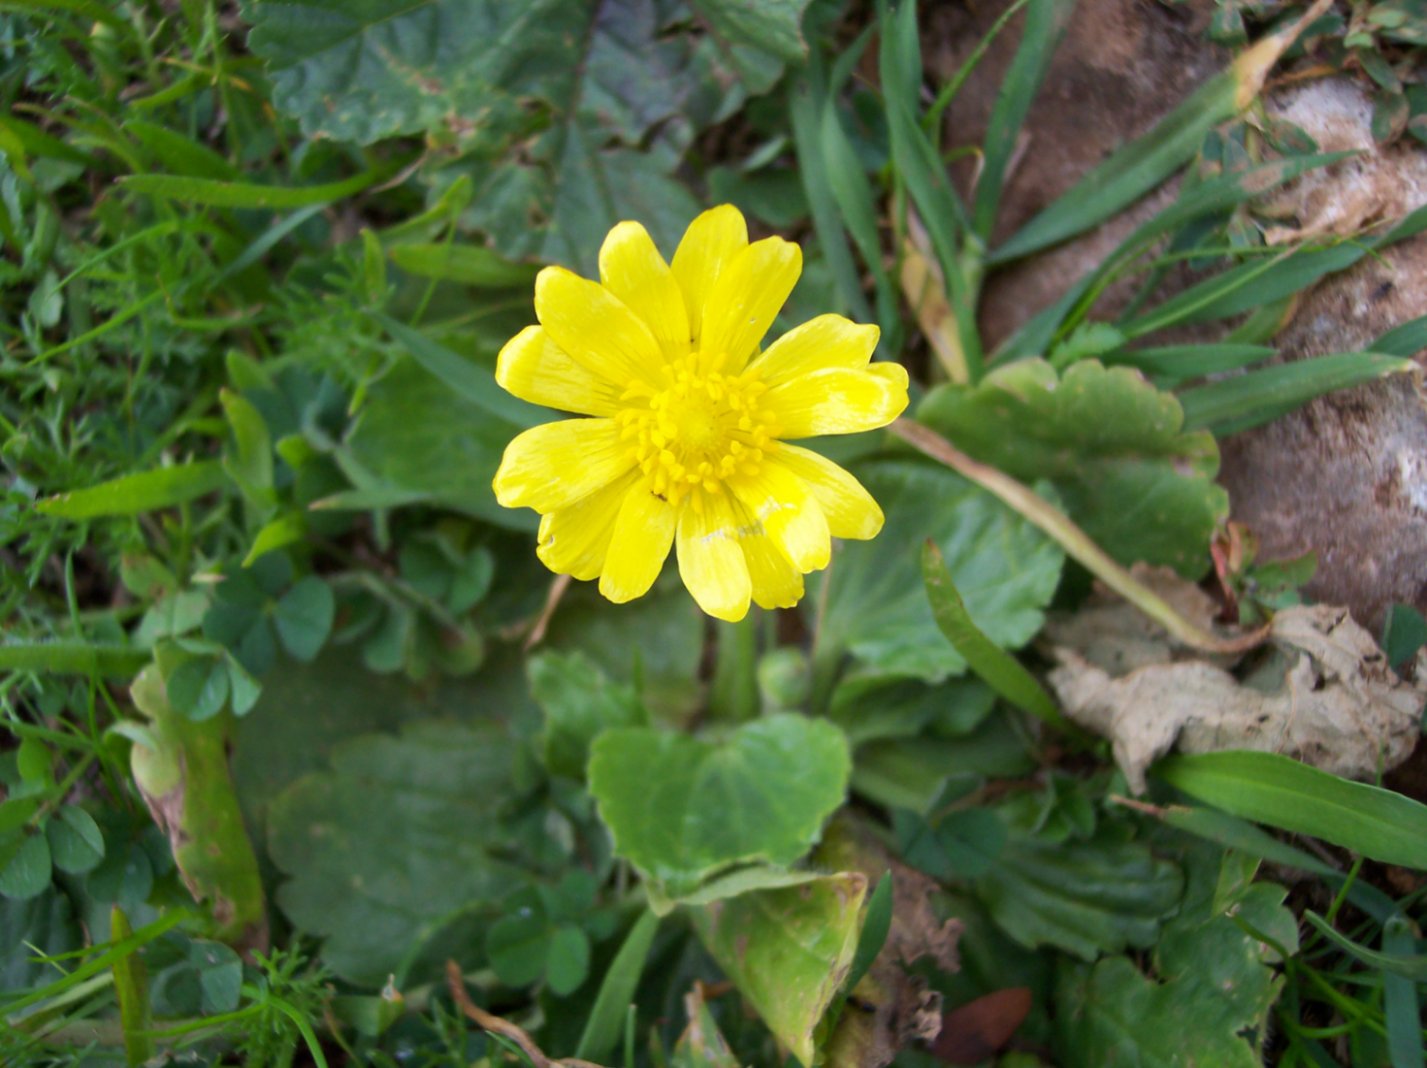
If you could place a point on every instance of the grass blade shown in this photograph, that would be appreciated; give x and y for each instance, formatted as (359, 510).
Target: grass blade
(1171, 364)
(1273, 789)
(998, 668)
(471, 265)
(131, 989)
(146, 491)
(1146, 162)
(73, 658)
(210, 192)
(1409, 966)
(1399, 999)
(1045, 23)
(1235, 404)
(1406, 340)
(606, 1022)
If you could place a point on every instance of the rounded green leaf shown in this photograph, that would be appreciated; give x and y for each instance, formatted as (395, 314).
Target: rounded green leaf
(681, 808)
(1112, 445)
(198, 687)
(76, 843)
(304, 618)
(569, 961)
(518, 945)
(25, 868)
(875, 602)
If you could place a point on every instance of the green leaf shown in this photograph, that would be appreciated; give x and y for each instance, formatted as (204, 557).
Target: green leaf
(682, 809)
(1411, 966)
(358, 877)
(568, 962)
(182, 772)
(1085, 898)
(874, 601)
(133, 494)
(220, 975)
(579, 703)
(46, 922)
(76, 843)
(1404, 631)
(1283, 793)
(1113, 446)
(1234, 404)
(470, 265)
(701, 1045)
(788, 951)
(1001, 671)
(519, 944)
(303, 618)
(72, 658)
(772, 26)
(212, 193)
(607, 1016)
(25, 867)
(1209, 1000)
(197, 686)
(417, 440)
(251, 466)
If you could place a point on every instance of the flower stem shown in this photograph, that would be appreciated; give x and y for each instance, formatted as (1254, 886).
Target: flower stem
(734, 692)
(1076, 543)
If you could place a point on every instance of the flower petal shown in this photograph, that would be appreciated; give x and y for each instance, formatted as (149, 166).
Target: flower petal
(643, 535)
(746, 298)
(575, 540)
(851, 512)
(711, 559)
(551, 466)
(776, 582)
(596, 328)
(838, 400)
(710, 242)
(534, 368)
(632, 269)
(827, 341)
(783, 507)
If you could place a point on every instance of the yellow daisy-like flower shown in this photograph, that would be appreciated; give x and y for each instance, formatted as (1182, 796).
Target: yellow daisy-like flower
(684, 441)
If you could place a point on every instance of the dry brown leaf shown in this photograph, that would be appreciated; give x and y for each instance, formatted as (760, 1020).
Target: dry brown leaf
(1331, 700)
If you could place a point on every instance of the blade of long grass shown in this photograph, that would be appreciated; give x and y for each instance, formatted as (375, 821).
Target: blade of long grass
(471, 265)
(1401, 1007)
(804, 112)
(1411, 966)
(1283, 793)
(1406, 340)
(1209, 198)
(605, 1024)
(1045, 24)
(210, 192)
(73, 658)
(996, 667)
(1234, 404)
(146, 491)
(1146, 162)
(1169, 365)
(131, 989)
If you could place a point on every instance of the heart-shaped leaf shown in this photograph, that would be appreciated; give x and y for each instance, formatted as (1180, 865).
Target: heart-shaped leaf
(682, 809)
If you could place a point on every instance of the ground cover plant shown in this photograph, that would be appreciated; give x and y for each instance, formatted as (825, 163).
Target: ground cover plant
(364, 362)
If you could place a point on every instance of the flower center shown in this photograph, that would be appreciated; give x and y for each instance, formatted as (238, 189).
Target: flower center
(701, 429)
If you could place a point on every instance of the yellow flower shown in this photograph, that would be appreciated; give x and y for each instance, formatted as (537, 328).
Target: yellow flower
(683, 444)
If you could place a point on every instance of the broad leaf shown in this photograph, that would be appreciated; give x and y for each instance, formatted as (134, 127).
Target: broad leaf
(579, 703)
(875, 600)
(1110, 442)
(400, 834)
(1216, 984)
(1086, 898)
(682, 809)
(788, 950)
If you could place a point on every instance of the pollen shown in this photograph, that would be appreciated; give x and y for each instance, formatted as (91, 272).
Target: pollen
(703, 428)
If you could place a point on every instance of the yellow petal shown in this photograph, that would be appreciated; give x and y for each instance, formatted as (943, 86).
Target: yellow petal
(783, 507)
(838, 400)
(643, 535)
(711, 560)
(536, 369)
(851, 512)
(827, 341)
(746, 298)
(595, 328)
(632, 269)
(574, 540)
(776, 582)
(710, 242)
(551, 466)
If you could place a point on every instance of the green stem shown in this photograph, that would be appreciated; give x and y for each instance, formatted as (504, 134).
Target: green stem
(734, 693)
(1076, 543)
